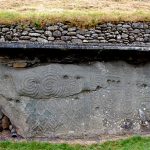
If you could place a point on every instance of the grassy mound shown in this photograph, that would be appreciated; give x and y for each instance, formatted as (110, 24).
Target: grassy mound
(76, 12)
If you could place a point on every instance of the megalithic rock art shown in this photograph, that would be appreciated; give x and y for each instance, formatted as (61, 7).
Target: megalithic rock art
(65, 99)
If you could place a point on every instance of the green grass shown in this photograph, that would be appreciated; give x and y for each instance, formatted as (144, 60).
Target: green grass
(134, 143)
(77, 18)
(83, 13)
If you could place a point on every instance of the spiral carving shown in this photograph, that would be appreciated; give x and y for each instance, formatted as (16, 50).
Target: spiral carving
(57, 86)
(48, 85)
(30, 86)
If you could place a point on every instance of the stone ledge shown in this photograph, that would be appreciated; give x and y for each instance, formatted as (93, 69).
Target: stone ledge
(64, 46)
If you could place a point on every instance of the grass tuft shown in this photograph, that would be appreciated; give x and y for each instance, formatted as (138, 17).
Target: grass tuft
(134, 143)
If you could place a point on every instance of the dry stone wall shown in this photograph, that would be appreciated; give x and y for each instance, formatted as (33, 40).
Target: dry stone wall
(126, 33)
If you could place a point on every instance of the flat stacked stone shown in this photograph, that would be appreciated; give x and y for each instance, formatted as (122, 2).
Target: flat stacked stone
(123, 32)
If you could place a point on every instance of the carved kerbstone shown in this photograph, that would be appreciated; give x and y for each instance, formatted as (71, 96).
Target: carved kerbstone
(73, 100)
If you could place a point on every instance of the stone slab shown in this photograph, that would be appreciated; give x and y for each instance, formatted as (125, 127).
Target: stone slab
(61, 100)
(77, 46)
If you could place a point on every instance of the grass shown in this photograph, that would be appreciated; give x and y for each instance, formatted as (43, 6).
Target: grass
(76, 12)
(134, 143)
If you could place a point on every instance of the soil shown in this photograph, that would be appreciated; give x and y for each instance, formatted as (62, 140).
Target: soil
(6, 135)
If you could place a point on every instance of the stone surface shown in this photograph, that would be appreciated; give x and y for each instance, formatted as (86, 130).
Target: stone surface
(76, 41)
(75, 100)
(48, 33)
(42, 40)
(108, 32)
(5, 29)
(34, 34)
(57, 33)
(52, 28)
(1, 114)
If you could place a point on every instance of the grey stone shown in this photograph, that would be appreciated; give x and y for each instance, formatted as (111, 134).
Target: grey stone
(80, 36)
(98, 28)
(58, 99)
(109, 24)
(89, 38)
(39, 31)
(42, 40)
(33, 39)
(24, 33)
(43, 36)
(25, 37)
(71, 33)
(35, 34)
(1, 114)
(87, 35)
(146, 35)
(61, 29)
(8, 37)
(119, 25)
(82, 31)
(147, 31)
(2, 39)
(15, 39)
(65, 27)
(76, 41)
(118, 37)
(85, 41)
(126, 26)
(5, 30)
(17, 34)
(103, 41)
(94, 36)
(140, 39)
(57, 33)
(64, 32)
(136, 31)
(112, 40)
(73, 29)
(52, 28)
(98, 31)
(124, 36)
(48, 33)
(103, 26)
(73, 37)
(94, 41)
(120, 28)
(65, 38)
(51, 38)
(59, 41)
(27, 29)
(145, 26)
(138, 25)
(146, 39)
(101, 38)
(131, 38)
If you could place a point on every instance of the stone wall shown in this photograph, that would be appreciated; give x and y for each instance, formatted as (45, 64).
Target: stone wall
(76, 100)
(126, 33)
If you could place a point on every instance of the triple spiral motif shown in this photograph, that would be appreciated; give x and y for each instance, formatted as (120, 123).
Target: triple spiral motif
(49, 85)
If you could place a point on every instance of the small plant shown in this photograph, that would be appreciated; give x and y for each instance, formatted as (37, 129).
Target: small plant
(37, 24)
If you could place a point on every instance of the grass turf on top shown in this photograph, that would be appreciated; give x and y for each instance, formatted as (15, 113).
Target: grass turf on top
(134, 143)
(77, 12)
